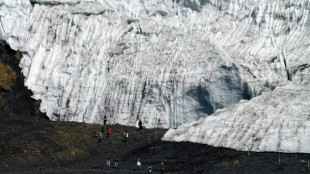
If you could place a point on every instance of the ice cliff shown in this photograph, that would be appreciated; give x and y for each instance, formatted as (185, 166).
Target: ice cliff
(275, 121)
(166, 62)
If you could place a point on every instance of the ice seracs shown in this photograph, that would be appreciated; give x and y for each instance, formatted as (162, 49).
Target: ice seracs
(277, 120)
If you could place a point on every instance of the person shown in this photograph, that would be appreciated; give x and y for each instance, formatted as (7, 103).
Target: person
(105, 120)
(140, 125)
(125, 136)
(99, 138)
(149, 168)
(139, 165)
(102, 129)
(162, 167)
(116, 160)
(108, 132)
(108, 162)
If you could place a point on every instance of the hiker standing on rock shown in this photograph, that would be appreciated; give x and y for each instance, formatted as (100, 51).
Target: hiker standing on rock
(99, 138)
(125, 136)
(105, 120)
(116, 160)
(149, 168)
(108, 162)
(139, 165)
(140, 125)
(102, 129)
(108, 132)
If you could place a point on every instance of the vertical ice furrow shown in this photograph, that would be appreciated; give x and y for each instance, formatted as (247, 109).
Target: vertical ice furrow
(107, 36)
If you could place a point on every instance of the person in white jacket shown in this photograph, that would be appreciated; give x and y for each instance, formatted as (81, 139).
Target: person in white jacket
(125, 136)
(108, 162)
(139, 165)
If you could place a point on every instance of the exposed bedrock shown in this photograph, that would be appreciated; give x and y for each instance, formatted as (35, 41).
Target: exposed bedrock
(15, 98)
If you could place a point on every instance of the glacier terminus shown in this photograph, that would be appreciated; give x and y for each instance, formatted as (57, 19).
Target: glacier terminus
(229, 73)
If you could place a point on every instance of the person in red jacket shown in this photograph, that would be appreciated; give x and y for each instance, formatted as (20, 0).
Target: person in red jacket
(108, 132)
(116, 160)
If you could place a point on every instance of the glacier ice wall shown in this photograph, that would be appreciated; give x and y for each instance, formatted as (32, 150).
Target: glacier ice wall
(275, 121)
(166, 62)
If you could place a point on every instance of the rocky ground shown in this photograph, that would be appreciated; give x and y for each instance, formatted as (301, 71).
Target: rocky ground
(41, 146)
(30, 143)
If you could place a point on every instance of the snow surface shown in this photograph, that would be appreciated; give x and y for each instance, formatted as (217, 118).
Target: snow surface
(165, 62)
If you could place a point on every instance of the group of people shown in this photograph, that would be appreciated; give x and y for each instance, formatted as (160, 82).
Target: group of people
(116, 158)
(150, 167)
(126, 134)
(100, 136)
(139, 166)
(116, 161)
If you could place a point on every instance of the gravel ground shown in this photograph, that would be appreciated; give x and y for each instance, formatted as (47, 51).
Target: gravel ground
(34, 145)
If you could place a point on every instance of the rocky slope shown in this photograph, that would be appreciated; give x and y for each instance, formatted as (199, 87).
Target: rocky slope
(42, 146)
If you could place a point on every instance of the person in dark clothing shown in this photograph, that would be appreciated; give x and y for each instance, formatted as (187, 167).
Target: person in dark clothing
(105, 120)
(99, 138)
(108, 132)
(140, 125)
(102, 129)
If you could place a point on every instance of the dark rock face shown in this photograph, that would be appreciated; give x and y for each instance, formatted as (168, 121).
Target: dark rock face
(15, 98)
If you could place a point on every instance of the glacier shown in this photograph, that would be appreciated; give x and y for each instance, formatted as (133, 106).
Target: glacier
(165, 62)
(276, 121)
